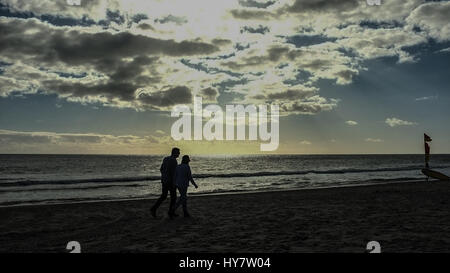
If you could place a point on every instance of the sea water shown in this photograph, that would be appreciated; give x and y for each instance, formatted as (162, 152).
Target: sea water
(41, 179)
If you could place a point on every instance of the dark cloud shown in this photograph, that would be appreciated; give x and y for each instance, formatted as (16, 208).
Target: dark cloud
(110, 90)
(317, 64)
(76, 47)
(380, 24)
(53, 7)
(308, 40)
(137, 18)
(132, 70)
(252, 14)
(11, 137)
(308, 107)
(299, 6)
(172, 19)
(145, 26)
(121, 18)
(210, 70)
(290, 95)
(80, 138)
(305, 6)
(59, 13)
(298, 100)
(240, 47)
(346, 75)
(169, 97)
(260, 29)
(47, 44)
(246, 62)
(114, 16)
(221, 42)
(128, 61)
(124, 79)
(255, 4)
(57, 20)
(48, 139)
(274, 54)
(209, 94)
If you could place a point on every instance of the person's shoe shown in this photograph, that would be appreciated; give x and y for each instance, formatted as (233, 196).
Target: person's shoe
(153, 212)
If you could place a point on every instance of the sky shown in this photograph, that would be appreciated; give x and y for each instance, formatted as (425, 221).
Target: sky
(103, 77)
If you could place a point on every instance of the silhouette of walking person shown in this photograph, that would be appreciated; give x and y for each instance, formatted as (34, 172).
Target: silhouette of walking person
(183, 176)
(167, 170)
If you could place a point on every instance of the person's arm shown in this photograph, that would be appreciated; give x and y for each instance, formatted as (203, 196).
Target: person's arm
(161, 169)
(193, 183)
(174, 177)
(172, 169)
(192, 179)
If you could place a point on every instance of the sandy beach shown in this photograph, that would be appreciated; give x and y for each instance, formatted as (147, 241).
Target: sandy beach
(402, 217)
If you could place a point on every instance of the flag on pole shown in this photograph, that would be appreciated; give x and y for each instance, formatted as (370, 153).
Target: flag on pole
(426, 139)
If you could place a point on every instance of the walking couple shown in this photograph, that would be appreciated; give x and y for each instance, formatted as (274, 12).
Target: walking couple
(173, 177)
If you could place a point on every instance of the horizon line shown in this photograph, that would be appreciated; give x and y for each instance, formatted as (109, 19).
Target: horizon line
(220, 154)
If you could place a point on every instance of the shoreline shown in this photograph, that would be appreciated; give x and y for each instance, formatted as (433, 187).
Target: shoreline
(192, 195)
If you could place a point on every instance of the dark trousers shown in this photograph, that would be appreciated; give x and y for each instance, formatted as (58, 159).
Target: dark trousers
(166, 188)
(182, 201)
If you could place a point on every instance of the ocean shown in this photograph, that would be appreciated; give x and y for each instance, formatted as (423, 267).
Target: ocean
(45, 179)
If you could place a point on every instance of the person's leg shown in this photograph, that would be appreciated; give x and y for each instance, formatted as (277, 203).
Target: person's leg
(173, 199)
(178, 203)
(163, 197)
(183, 200)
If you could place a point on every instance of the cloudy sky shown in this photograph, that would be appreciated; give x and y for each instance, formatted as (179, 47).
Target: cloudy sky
(102, 77)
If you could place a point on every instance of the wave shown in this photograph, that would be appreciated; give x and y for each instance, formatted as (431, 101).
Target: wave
(207, 175)
(212, 192)
(334, 171)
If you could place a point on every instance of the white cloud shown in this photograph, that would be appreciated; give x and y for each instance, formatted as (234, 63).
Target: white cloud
(58, 138)
(432, 17)
(445, 50)
(394, 122)
(305, 142)
(208, 35)
(375, 43)
(351, 122)
(49, 142)
(374, 140)
(426, 98)
(94, 9)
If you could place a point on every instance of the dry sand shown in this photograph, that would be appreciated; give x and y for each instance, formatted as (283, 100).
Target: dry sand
(402, 217)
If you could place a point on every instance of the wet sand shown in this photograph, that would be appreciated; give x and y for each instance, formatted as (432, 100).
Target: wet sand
(402, 217)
